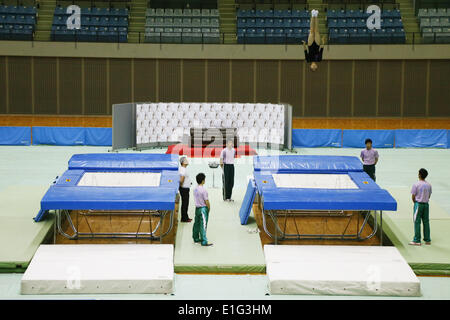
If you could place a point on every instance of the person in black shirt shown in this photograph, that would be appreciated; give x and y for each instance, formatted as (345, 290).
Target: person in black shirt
(314, 50)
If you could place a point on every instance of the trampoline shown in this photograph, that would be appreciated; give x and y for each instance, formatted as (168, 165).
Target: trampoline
(114, 184)
(318, 186)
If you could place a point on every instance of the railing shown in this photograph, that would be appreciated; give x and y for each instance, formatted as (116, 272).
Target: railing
(411, 38)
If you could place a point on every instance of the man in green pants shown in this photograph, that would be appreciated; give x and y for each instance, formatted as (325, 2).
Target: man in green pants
(202, 208)
(421, 193)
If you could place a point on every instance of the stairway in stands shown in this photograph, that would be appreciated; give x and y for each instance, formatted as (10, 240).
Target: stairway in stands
(136, 23)
(319, 5)
(227, 13)
(44, 20)
(410, 21)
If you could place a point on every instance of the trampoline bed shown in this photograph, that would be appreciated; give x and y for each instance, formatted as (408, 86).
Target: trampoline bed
(137, 186)
(318, 186)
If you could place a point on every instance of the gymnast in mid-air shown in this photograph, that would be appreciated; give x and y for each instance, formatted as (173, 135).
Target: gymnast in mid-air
(314, 50)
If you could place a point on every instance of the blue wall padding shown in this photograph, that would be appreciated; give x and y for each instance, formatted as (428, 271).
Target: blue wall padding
(425, 138)
(448, 139)
(98, 136)
(356, 138)
(15, 136)
(60, 136)
(246, 207)
(311, 138)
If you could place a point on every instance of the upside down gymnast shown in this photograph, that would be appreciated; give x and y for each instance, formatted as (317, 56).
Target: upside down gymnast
(314, 50)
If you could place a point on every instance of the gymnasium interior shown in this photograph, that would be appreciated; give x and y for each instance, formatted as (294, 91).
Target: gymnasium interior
(101, 101)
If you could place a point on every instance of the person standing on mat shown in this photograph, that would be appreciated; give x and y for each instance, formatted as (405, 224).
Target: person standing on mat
(227, 164)
(369, 157)
(314, 50)
(421, 193)
(185, 185)
(202, 209)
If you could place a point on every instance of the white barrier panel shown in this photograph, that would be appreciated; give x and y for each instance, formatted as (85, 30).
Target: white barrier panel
(98, 269)
(164, 122)
(339, 270)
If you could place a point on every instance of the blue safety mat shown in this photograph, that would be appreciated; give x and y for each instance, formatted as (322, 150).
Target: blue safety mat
(264, 180)
(307, 164)
(70, 178)
(107, 198)
(15, 136)
(356, 138)
(98, 136)
(326, 199)
(60, 136)
(124, 161)
(312, 138)
(247, 203)
(424, 138)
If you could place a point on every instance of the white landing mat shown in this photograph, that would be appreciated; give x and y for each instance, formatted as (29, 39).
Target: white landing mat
(93, 269)
(339, 270)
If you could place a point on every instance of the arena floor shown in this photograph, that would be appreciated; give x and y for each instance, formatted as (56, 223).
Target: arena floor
(27, 172)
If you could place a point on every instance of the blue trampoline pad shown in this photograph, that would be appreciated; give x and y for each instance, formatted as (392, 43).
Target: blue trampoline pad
(307, 164)
(107, 198)
(326, 199)
(124, 161)
(361, 179)
(70, 178)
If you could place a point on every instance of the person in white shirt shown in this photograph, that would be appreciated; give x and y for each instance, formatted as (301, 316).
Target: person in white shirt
(185, 185)
(227, 163)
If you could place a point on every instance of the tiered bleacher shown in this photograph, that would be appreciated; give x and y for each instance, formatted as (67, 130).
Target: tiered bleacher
(97, 25)
(350, 26)
(182, 25)
(272, 26)
(435, 25)
(17, 22)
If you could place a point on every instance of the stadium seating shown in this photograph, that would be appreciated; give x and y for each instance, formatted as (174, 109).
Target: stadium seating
(97, 25)
(182, 26)
(350, 26)
(435, 25)
(272, 26)
(17, 22)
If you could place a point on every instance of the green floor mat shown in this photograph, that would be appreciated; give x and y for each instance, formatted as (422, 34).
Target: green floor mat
(19, 239)
(424, 260)
(237, 249)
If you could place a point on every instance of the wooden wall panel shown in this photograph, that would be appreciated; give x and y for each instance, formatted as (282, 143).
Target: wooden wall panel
(267, 81)
(439, 102)
(415, 92)
(194, 80)
(291, 88)
(390, 83)
(70, 85)
(119, 81)
(169, 77)
(340, 88)
(144, 85)
(218, 81)
(242, 81)
(19, 77)
(316, 91)
(45, 90)
(95, 86)
(365, 88)
(3, 85)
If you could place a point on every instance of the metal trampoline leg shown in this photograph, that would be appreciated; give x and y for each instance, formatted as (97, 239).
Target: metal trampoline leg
(276, 231)
(381, 227)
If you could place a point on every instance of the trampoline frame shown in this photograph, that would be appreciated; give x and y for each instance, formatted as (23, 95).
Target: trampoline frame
(151, 235)
(280, 234)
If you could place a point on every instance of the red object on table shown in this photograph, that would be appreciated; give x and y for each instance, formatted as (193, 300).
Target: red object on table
(207, 152)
